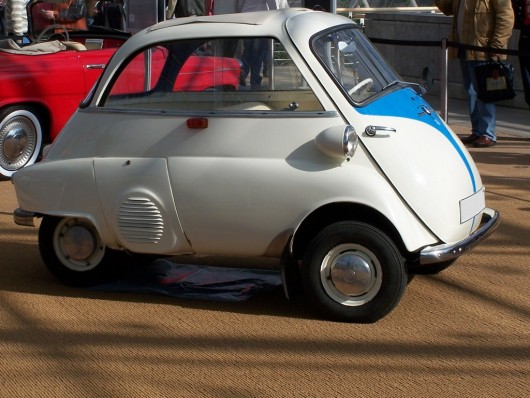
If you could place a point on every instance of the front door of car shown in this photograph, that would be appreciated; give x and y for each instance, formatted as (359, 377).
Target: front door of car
(93, 63)
(247, 175)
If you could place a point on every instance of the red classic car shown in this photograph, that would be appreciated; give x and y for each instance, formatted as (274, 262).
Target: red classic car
(44, 82)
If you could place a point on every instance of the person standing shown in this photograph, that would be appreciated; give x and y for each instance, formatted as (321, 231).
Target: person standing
(521, 9)
(254, 49)
(71, 14)
(16, 17)
(185, 8)
(267, 58)
(482, 23)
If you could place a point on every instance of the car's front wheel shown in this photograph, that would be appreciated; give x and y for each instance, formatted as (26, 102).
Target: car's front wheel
(21, 134)
(353, 272)
(73, 252)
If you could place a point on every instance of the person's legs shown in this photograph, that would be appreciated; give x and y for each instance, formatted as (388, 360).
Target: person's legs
(246, 60)
(252, 61)
(467, 77)
(487, 119)
(486, 111)
(482, 114)
(257, 62)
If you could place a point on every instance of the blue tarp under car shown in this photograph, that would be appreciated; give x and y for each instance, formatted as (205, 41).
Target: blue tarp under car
(196, 281)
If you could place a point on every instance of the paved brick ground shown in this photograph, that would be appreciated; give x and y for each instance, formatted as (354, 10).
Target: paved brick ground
(463, 333)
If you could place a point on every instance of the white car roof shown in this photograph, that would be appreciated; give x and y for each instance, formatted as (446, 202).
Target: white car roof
(249, 18)
(301, 20)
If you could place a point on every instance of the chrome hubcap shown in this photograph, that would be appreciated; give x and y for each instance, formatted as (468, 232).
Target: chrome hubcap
(78, 245)
(15, 142)
(19, 139)
(351, 274)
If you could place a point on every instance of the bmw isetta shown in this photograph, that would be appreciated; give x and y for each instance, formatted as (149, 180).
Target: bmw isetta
(327, 161)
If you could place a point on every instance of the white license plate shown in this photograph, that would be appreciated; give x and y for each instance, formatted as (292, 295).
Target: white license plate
(472, 205)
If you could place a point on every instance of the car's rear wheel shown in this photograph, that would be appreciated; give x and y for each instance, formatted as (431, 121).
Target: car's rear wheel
(73, 251)
(21, 134)
(353, 272)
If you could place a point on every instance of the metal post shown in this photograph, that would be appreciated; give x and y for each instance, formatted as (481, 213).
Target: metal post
(148, 69)
(443, 80)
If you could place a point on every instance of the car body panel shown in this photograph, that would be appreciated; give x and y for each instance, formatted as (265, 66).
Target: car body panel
(141, 210)
(241, 175)
(423, 142)
(221, 191)
(433, 145)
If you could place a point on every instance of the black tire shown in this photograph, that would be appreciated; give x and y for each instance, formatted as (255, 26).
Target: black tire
(433, 269)
(352, 272)
(21, 137)
(72, 250)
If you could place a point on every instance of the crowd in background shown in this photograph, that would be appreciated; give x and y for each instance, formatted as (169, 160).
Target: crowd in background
(74, 14)
(500, 16)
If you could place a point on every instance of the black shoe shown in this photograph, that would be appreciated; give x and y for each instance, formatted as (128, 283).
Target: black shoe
(471, 138)
(483, 142)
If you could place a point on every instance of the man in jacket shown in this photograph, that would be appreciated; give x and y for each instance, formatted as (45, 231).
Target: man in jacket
(483, 23)
(70, 14)
(16, 18)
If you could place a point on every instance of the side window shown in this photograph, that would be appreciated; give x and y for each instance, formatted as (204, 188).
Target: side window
(221, 75)
(355, 64)
(141, 74)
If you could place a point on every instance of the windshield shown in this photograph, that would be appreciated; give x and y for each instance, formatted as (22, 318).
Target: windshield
(355, 64)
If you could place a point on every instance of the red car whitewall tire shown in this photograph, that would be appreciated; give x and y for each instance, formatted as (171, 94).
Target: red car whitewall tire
(20, 138)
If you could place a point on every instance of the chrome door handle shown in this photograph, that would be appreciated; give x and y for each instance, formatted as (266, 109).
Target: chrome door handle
(372, 130)
(95, 66)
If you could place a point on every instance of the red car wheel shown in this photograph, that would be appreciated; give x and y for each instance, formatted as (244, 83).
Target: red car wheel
(20, 138)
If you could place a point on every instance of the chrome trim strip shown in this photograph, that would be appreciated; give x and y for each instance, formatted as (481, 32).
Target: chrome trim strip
(445, 252)
(95, 66)
(23, 217)
(216, 113)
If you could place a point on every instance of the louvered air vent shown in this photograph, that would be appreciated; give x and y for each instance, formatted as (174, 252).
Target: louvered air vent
(140, 221)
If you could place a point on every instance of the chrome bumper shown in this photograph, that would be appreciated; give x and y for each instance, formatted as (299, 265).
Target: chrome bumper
(440, 253)
(23, 217)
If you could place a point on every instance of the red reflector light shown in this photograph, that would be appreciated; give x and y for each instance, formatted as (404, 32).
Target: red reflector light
(197, 123)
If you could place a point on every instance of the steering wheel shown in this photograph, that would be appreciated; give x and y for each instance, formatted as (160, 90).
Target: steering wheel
(42, 34)
(363, 86)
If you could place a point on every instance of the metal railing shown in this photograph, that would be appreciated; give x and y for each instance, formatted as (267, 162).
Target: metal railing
(362, 11)
(443, 44)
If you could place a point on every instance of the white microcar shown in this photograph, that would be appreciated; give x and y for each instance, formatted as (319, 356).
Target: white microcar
(319, 155)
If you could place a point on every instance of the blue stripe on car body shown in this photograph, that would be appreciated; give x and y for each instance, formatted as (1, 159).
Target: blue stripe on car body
(392, 105)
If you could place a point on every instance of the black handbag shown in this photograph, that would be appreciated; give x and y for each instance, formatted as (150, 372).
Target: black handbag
(495, 81)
